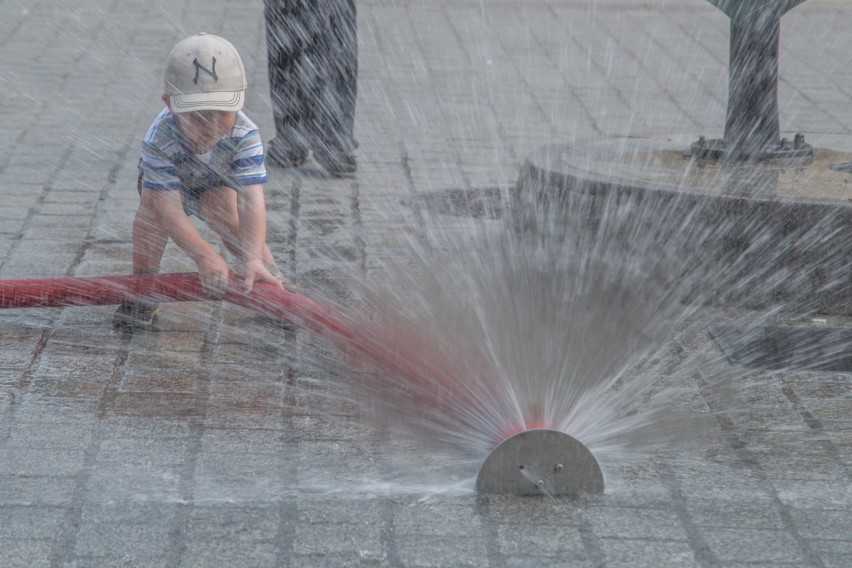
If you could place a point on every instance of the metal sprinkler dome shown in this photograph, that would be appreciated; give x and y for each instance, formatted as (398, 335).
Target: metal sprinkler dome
(535, 462)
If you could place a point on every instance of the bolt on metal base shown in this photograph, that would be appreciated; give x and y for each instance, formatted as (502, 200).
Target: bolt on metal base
(536, 462)
(716, 150)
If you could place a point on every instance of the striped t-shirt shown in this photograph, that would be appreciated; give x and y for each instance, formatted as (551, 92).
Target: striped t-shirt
(235, 161)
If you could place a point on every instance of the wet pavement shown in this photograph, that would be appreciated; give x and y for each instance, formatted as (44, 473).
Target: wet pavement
(212, 442)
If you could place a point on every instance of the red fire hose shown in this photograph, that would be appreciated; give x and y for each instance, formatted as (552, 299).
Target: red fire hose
(346, 330)
(175, 287)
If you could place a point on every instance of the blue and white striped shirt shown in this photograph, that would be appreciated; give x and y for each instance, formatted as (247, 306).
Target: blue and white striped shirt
(235, 161)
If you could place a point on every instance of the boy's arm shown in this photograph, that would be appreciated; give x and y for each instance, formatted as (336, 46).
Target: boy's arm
(212, 268)
(251, 208)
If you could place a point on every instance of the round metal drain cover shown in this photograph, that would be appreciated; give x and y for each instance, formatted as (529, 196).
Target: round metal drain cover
(536, 462)
(478, 203)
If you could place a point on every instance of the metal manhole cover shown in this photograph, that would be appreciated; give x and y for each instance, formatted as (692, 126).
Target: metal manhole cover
(481, 203)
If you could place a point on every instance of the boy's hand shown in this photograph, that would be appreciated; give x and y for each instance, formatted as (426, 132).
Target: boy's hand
(213, 271)
(255, 270)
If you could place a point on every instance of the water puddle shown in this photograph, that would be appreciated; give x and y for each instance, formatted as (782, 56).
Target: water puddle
(796, 348)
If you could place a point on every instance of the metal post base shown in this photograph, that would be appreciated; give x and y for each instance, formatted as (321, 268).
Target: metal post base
(536, 462)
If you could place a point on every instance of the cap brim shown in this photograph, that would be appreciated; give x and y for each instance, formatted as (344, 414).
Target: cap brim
(229, 101)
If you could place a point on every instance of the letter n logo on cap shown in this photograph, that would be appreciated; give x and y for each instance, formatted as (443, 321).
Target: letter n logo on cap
(199, 67)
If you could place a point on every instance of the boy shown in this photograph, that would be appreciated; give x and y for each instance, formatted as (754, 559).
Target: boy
(201, 156)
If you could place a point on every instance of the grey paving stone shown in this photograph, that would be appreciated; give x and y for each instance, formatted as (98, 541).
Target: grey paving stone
(61, 434)
(25, 553)
(639, 523)
(37, 461)
(31, 522)
(622, 552)
(136, 531)
(112, 483)
(420, 551)
(735, 516)
(548, 541)
(336, 538)
(753, 545)
(30, 490)
(140, 451)
(218, 553)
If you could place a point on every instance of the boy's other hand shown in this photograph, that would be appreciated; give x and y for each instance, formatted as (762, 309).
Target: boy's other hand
(213, 271)
(255, 270)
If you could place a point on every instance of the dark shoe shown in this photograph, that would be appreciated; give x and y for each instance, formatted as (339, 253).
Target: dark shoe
(336, 164)
(285, 158)
(137, 315)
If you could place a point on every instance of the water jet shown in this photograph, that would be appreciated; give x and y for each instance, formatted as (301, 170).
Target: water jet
(530, 457)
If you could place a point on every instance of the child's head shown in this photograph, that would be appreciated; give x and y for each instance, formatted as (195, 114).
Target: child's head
(204, 72)
(205, 87)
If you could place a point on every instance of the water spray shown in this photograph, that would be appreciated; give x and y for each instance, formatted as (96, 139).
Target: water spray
(530, 457)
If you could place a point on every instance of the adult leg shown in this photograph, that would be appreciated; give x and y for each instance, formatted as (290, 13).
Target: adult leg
(290, 34)
(336, 112)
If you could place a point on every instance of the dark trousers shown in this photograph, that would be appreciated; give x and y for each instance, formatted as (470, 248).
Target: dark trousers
(312, 48)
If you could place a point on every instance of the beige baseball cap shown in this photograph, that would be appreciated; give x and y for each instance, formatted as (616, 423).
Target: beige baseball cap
(205, 72)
